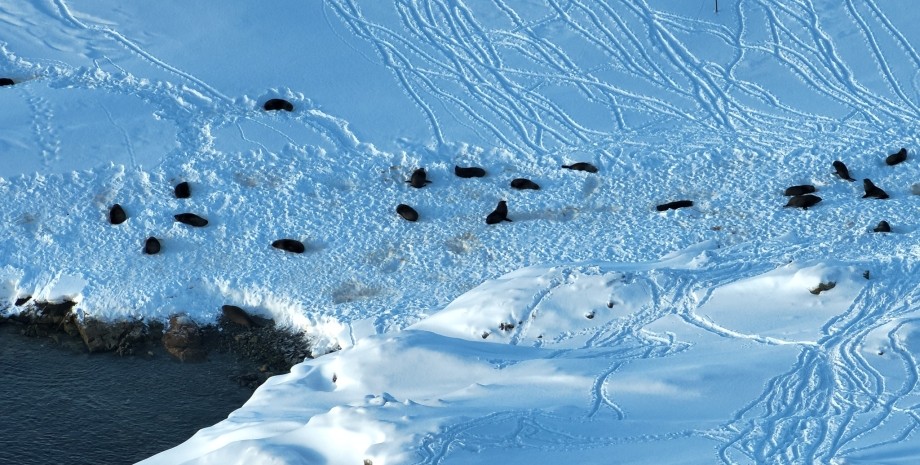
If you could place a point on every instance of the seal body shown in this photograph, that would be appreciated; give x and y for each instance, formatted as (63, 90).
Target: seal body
(799, 190)
(183, 190)
(803, 201)
(841, 171)
(278, 104)
(237, 315)
(418, 179)
(581, 166)
(873, 191)
(191, 219)
(674, 205)
(523, 183)
(408, 213)
(6, 82)
(883, 226)
(290, 245)
(152, 246)
(117, 214)
(499, 214)
(896, 158)
(471, 172)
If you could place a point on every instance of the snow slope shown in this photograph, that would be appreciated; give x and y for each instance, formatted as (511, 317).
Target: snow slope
(715, 353)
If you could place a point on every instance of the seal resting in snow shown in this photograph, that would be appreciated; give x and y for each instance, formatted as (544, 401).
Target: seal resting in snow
(191, 219)
(841, 170)
(471, 172)
(896, 158)
(183, 190)
(6, 82)
(289, 245)
(883, 226)
(522, 183)
(238, 316)
(117, 214)
(674, 205)
(152, 246)
(873, 191)
(408, 213)
(799, 190)
(278, 104)
(499, 214)
(418, 179)
(581, 166)
(803, 201)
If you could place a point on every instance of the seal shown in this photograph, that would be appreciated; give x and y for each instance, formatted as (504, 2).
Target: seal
(523, 183)
(6, 82)
(883, 226)
(581, 166)
(290, 245)
(152, 246)
(841, 171)
(237, 315)
(799, 190)
(117, 214)
(674, 205)
(499, 214)
(803, 201)
(278, 104)
(471, 172)
(418, 179)
(408, 213)
(191, 219)
(183, 190)
(873, 191)
(896, 158)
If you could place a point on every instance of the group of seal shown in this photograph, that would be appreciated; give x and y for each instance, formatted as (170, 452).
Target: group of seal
(419, 179)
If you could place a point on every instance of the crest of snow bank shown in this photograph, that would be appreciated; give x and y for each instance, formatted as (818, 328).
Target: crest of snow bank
(609, 356)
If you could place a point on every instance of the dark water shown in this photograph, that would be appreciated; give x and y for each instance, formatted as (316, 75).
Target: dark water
(61, 406)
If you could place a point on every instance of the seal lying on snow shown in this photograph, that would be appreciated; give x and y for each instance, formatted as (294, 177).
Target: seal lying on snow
(183, 190)
(278, 104)
(471, 172)
(522, 183)
(408, 213)
(290, 245)
(799, 190)
(117, 214)
(674, 205)
(581, 166)
(803, 201)
(152, 246)
(418, 179)
(191, 219)
(896, 158)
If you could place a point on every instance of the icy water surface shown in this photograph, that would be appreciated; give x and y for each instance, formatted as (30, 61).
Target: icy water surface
(58, 405)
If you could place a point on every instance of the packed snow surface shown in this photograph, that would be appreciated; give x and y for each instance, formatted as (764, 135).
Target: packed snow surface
(591, 328)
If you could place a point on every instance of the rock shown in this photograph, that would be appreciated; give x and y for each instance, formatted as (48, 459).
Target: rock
(100, 336)
(184, 340)
(915, 189)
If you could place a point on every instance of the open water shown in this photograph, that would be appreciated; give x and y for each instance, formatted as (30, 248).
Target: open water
(59, 405)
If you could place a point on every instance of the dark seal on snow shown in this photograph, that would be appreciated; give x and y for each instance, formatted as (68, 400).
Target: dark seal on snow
(581, 166)
(278, 104)
(896, 158)
(471, 172)
(674, 205)
(803, 201)
(408, 213)
(191, 219)
(183, 190)
(522, 183)
(841, 170)
(418, 179)
(499, 214)
(152, 246)
(6, 82)
(117, 214)
(238, 316)
(290, 245)
(799, 190)
(883, 226)
(873, 191)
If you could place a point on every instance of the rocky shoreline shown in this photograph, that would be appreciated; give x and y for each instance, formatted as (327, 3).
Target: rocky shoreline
(261, 349)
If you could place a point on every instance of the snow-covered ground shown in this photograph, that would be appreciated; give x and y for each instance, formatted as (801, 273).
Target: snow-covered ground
(630, 336)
